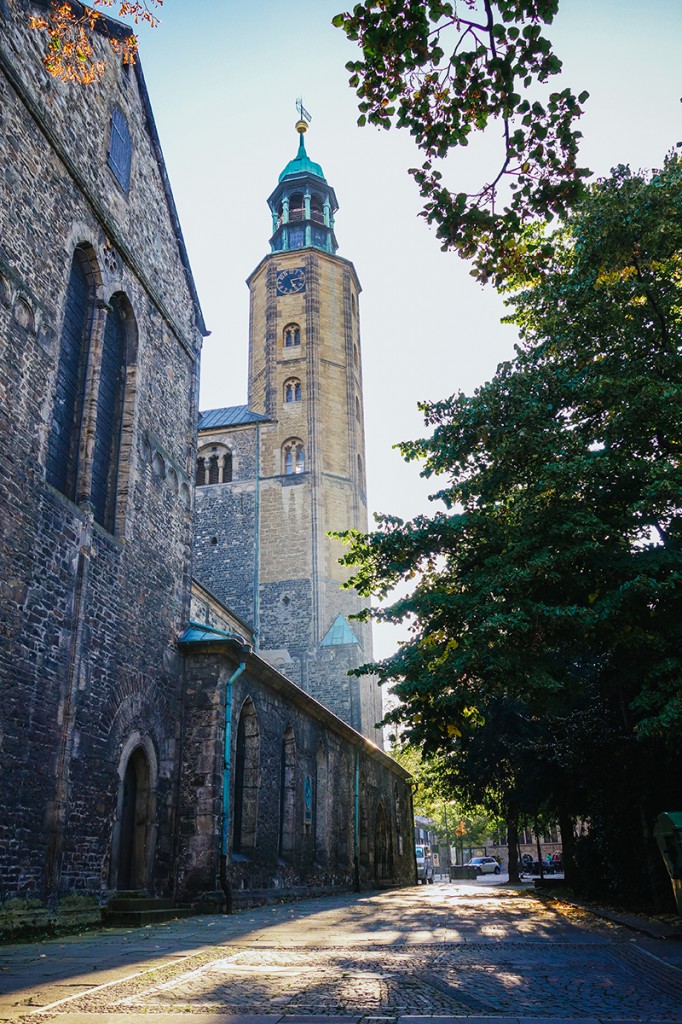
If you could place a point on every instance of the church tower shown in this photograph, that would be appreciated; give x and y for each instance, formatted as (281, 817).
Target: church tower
(305, 408)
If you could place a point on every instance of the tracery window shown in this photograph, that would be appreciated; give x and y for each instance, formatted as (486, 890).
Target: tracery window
(292, 335)
(292, 390)
(293, 456)
(88, 452)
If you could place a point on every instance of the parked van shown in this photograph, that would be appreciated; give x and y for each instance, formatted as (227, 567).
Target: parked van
(424, 864)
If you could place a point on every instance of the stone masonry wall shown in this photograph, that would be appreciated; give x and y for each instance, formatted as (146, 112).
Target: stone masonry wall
(88, 668)
(325, 755)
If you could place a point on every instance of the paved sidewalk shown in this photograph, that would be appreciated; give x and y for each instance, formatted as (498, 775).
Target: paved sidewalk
(467, 952)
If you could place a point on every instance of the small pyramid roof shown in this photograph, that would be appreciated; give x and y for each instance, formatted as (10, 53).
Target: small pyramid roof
(339, 634)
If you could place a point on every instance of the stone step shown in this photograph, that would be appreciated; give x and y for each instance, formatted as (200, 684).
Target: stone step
(138, 918)
(126, 903)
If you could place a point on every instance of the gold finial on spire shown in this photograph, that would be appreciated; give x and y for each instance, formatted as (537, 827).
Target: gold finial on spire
(304, 118)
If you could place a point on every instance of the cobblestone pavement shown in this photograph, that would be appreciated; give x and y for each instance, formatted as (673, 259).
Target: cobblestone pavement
(476, 951)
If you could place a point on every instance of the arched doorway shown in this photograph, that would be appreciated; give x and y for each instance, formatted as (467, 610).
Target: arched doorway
(134, 823)
(383, 854)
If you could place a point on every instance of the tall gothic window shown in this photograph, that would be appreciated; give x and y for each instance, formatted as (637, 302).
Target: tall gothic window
(287, 795)
(292, 335)
(110, 399)
(246, 780)
(293, 456)
(67, 412)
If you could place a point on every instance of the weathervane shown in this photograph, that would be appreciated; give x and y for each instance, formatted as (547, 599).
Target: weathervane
(304, 118)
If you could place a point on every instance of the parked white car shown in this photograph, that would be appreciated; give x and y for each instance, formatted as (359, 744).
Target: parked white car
(484, 865)
(424, 859)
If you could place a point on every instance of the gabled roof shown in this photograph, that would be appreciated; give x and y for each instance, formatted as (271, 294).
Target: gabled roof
(339, 634)
(231, 416)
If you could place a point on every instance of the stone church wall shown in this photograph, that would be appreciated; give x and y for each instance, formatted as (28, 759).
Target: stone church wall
(88, 669)
(284, 843)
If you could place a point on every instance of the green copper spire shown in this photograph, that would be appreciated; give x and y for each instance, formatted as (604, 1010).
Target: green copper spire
(302, 164)
(303, 204)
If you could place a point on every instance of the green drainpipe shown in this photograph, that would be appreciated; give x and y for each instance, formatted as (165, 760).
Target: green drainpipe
(224, 884)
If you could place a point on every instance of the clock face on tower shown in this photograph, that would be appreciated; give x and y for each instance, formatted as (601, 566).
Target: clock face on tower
(290, 281)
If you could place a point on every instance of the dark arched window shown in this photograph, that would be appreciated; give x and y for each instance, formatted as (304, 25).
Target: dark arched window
(316, 210)
(247, 756)
(292, 391)
(67, 412)
(293, 456)
(292, 335)
(296, 207)
(120, 149)
(287, 795)
(214, 465)
(109, 417)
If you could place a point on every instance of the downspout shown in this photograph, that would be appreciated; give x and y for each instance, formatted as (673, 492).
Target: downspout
(227, 760)
(356, 823)
(256, 559)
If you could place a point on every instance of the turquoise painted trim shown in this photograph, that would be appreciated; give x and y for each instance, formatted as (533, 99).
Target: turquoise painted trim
(227, 757)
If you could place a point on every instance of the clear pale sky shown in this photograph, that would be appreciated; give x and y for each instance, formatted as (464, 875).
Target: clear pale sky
(224, 75)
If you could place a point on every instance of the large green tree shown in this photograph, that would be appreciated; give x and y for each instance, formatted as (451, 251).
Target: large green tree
(553, 575)
(447, 70)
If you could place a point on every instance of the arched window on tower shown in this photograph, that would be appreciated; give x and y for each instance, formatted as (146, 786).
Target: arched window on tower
(214, 465)
(292, 335)
(296, 207)
(293, 457)
(292, 390)
(316, 210)
(358, 414)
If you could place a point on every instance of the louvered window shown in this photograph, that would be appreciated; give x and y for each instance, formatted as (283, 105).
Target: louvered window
(62, 452)
(120, 149)
(110, 399)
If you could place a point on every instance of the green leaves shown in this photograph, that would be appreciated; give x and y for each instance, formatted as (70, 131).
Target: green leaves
(445, 73)
(547, 594)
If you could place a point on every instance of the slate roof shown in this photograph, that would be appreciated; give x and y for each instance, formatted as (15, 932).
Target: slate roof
(231, 416)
